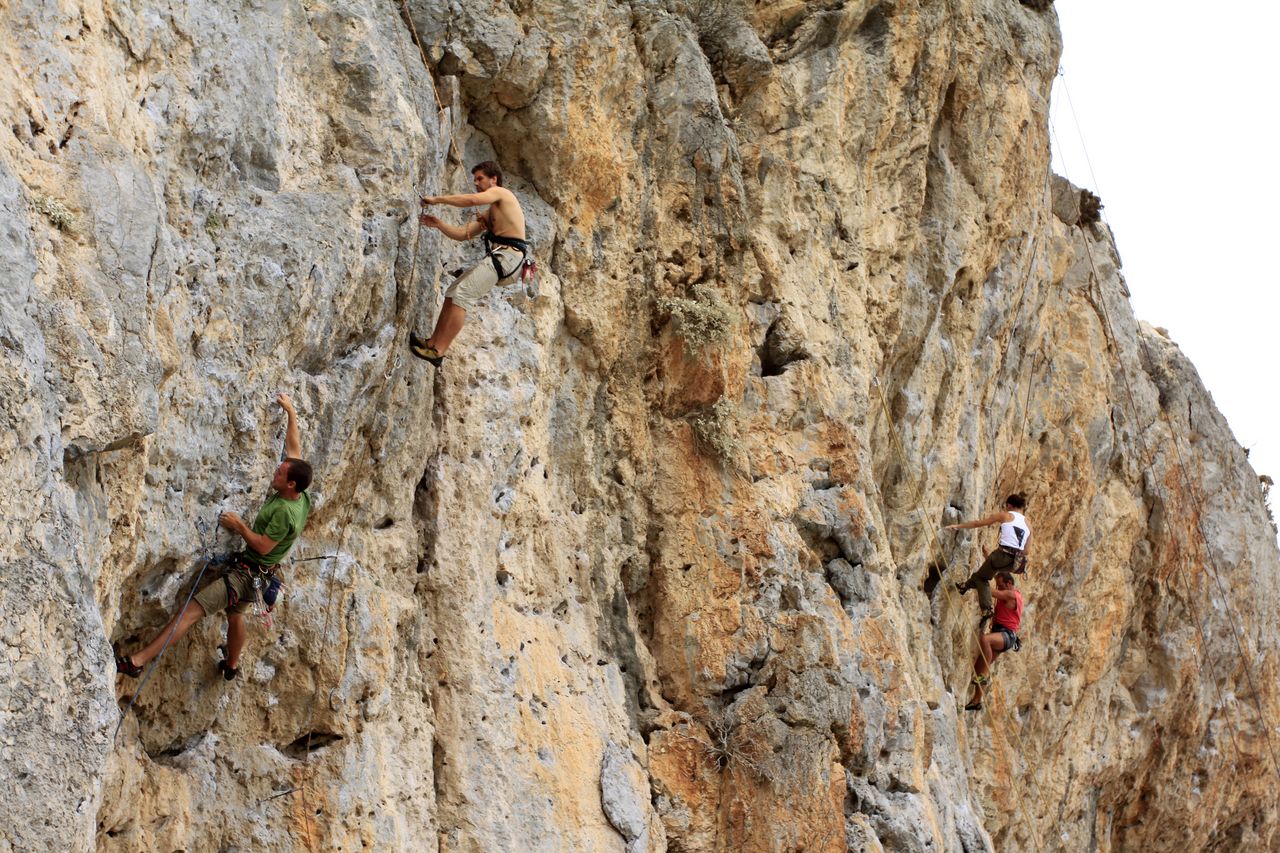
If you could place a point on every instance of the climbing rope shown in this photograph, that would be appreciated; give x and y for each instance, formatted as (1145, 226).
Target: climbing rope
(392, 364)
(422, 54)
(151, 667)
(1148, 465)
(1182, 468)
(991, 691)
(991, 688)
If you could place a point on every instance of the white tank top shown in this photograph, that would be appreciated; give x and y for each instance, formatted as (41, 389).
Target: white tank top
(1014, 534)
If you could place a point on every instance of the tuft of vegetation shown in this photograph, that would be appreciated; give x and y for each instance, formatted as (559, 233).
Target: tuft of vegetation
(1266, 483)
(55, 211)
(727, 747)
(1090, 208)
(704, 320)
(717, 430)
(213, 224)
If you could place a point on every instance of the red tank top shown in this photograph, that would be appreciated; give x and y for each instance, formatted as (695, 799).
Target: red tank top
(1009, 615)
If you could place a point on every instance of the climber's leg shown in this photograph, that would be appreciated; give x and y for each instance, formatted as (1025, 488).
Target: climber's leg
(447, 327)
(235, 638)
(179, 624)
(996, 561)
(452, 316)
(465, 291)
(990, 646)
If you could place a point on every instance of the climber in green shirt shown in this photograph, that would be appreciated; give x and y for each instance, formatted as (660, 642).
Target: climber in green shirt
(268, 540)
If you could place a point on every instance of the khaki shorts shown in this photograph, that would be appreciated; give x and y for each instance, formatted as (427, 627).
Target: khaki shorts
(213, 597)
(470, 287)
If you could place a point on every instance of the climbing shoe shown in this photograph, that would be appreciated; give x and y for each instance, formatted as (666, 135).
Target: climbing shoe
(973, 706)
(126, 666)
(227, 672)
(423, 350)
(962, 588)
(981, 680)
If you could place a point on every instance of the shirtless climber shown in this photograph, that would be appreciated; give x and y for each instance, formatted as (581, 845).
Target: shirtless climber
(506, 251)
(1010, 553)
(1005, 636)
(267, 541)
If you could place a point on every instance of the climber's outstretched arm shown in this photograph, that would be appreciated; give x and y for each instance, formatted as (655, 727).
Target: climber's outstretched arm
(489, 196)
(292, 438)
(994, 518)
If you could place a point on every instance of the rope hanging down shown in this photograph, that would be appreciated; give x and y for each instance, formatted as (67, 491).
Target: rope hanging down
(392, 363)
(454, 149)
(1182, 468)
(209, 539)
(996, 701)
(935, 546)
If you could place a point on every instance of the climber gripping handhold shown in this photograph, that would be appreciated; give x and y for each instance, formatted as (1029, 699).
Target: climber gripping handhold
(1011, 549)
(267, 541)
(506, 253)
(1006, 621)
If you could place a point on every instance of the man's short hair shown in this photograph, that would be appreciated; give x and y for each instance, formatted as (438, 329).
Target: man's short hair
(490, 169)
(299, 473)
(1005, 576)
(1017, 500)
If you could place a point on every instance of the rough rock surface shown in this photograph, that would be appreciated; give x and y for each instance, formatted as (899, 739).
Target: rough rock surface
(655, 562)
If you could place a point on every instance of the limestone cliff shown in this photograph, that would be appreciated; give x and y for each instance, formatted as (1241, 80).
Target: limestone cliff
(655, 562)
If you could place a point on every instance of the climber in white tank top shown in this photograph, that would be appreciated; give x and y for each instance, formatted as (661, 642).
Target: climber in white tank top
(1009, 556)
(1014, 533)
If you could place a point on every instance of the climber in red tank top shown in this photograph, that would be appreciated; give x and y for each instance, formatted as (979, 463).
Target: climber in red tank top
(1007, 620)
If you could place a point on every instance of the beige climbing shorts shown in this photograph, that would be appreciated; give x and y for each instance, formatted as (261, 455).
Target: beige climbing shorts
(470, 287)
(213, 597)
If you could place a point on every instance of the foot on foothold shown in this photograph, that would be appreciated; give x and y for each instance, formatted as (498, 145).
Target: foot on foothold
(126, 666)
(981, 680)
(423, 350)
(973, 706)
(962, 588)
(227, 672)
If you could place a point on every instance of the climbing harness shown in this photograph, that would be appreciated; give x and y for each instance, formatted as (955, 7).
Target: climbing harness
(265, 580)
(527, 265)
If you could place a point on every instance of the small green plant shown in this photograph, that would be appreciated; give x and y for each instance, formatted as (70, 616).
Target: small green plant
(55, 211)
(717, 430)
(704, 320)
(213, 224)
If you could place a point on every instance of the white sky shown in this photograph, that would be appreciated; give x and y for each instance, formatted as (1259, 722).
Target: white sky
(1178, 108)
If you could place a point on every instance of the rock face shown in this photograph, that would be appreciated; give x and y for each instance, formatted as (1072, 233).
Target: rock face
(656, 561)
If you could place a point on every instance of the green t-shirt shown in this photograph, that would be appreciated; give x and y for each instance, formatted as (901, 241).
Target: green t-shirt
(280, 521)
